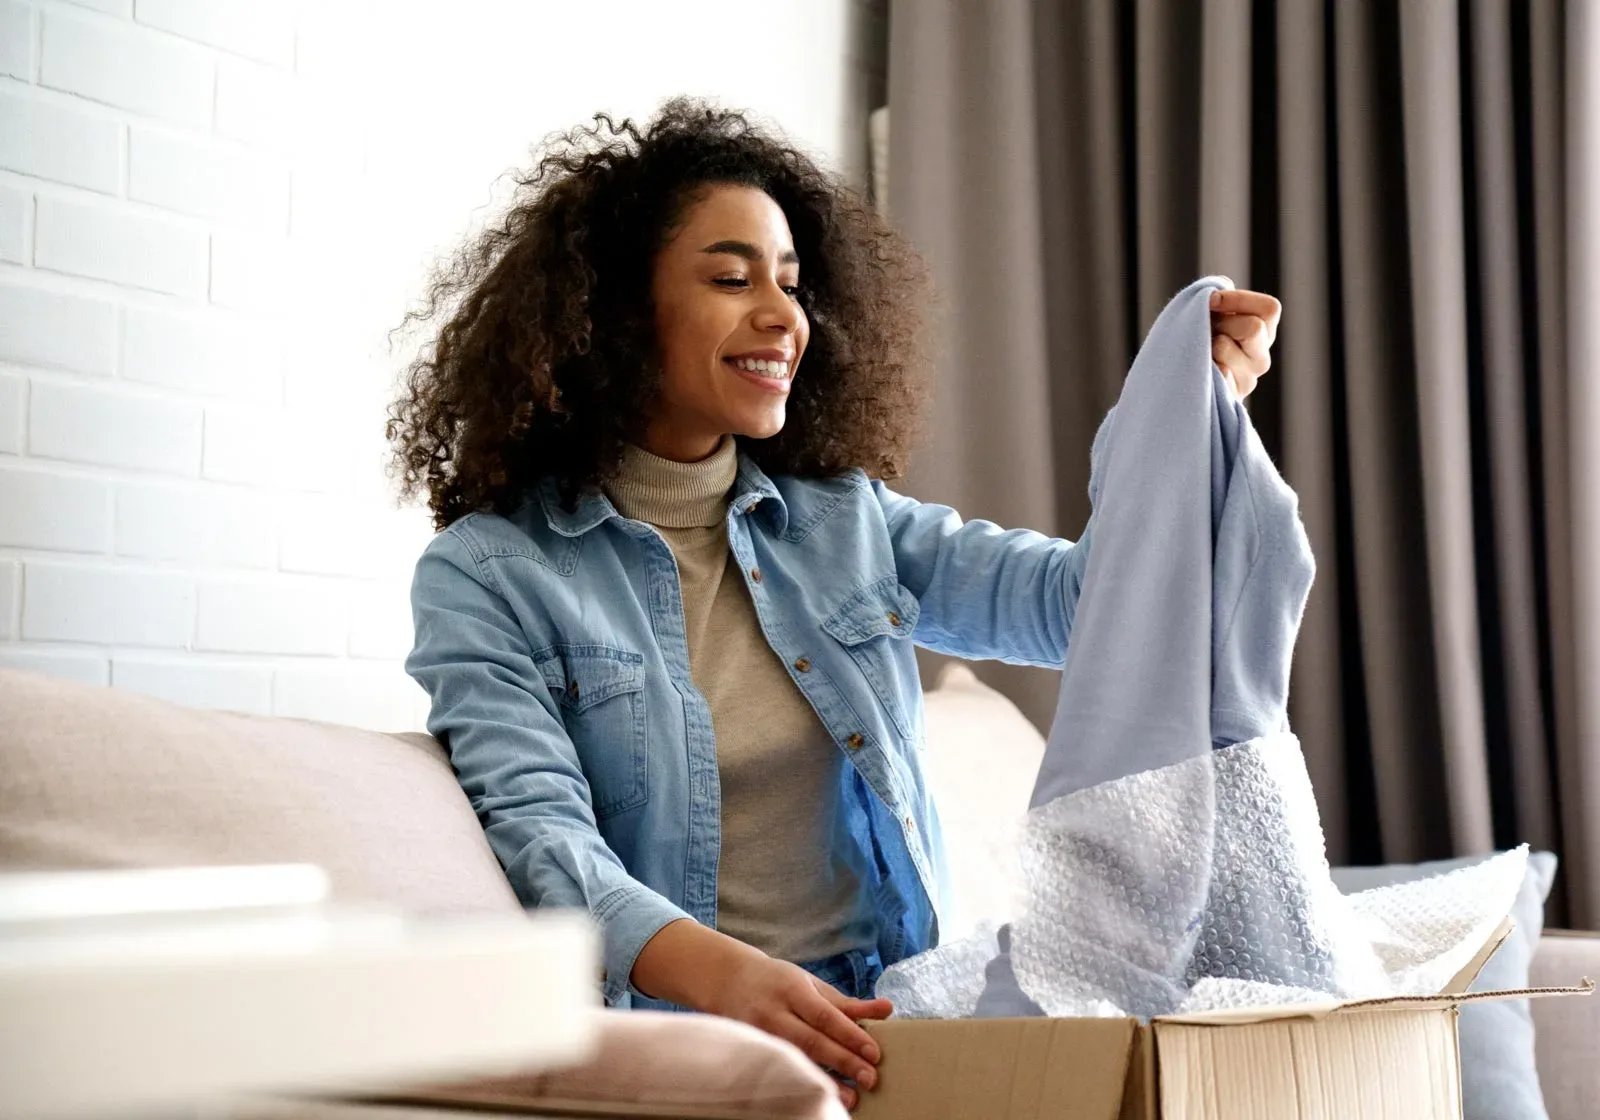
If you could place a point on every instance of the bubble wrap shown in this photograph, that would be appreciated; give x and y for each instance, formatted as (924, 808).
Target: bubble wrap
(943, 983)
(1226, 900)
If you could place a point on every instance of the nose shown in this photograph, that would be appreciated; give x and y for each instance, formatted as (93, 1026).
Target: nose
(777, 313)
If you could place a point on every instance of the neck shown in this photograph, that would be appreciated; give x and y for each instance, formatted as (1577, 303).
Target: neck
(680, 447)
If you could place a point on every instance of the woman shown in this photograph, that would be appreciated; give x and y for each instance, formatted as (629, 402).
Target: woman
(667, 626)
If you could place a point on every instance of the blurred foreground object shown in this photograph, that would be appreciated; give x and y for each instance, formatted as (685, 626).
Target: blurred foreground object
(110, 1005)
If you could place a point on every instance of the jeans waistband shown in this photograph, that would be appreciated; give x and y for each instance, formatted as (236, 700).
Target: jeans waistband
(855, 973)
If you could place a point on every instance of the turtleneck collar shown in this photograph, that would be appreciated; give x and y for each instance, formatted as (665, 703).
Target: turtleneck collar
(675, 495)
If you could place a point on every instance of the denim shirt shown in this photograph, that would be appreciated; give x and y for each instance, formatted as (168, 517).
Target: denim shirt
(552, 645)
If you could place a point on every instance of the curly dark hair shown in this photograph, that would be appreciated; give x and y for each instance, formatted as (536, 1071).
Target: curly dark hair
(545, 361)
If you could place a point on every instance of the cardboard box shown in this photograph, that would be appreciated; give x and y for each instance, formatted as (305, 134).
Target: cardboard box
(1387, 1059)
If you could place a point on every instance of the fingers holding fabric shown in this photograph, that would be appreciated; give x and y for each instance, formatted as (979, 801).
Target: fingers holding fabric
(1244, 325)
(1237, 368)
(1238, 301)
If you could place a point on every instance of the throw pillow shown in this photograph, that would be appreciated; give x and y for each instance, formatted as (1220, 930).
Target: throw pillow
(98, 777)
(981, 808)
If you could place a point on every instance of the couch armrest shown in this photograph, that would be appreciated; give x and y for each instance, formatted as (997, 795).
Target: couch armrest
(1567, 1028)
(658, 1064)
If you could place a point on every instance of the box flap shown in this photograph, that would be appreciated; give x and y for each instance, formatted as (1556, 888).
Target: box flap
(1018, 1069)
(1415, 1003)
(1462, 980)
(1243, 1016)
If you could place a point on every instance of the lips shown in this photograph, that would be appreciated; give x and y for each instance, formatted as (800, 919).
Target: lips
(774, 379)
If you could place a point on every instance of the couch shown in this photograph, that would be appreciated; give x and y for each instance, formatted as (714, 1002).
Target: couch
(96, 777)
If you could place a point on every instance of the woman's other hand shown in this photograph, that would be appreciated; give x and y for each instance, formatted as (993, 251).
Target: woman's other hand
(1244, 325)
(700, 968)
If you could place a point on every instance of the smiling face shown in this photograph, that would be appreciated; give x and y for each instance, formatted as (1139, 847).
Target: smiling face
(729, 328)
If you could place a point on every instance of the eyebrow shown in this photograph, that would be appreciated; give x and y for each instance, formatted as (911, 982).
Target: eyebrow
(749, 252)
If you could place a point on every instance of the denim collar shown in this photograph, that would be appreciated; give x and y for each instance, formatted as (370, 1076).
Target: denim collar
(752, 491)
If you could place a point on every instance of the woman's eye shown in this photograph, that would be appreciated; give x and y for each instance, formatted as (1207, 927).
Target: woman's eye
(793, 290)
(732, 282)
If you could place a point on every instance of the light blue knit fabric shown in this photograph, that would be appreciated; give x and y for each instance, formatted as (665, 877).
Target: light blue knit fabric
(1183, 627)
(1197, 573)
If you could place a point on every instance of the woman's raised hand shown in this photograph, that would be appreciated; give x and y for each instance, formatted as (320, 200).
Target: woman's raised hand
(1244, 325)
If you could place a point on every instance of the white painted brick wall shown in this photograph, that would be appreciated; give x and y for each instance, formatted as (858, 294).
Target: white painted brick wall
(99, 603)
(85, 666)
(250, 273)
(53, 512)
(223, 182)
(110, 7)
(10, 596)
(132, 68)
(206, 527)
(53, 139)
(16, 215)
(235, 688)
(57, 331)
(13, 390)
(263, 31)
(256, 104)
(113, 428)
(264, 615)
(211, 214)
(17, 36)
(201, 351)
(125, 246)
(295, 450)
(360, 693)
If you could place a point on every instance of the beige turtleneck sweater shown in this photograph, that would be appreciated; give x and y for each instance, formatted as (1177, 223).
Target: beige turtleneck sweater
(777, 887)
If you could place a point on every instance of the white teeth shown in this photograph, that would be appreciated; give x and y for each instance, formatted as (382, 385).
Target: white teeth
(763, 367)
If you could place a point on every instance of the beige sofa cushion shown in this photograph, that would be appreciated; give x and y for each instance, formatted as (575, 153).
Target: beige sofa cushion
(657, 1063)
(982, 758)
(97, 777)
(1567, 1028)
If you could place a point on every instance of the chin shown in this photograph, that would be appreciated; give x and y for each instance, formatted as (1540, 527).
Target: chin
(760, 427)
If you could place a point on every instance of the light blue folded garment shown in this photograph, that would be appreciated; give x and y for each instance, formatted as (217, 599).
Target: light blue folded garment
(1198, 569)
(1197, 575)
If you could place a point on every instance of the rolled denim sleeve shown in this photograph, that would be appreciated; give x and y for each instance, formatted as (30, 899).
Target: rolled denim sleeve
(985, 593)
(515, 761)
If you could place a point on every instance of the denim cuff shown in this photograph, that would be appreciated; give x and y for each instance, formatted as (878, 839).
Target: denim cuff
(629, 917)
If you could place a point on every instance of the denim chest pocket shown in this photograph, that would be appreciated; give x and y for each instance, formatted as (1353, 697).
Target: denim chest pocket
(600, 694)
(875, 625)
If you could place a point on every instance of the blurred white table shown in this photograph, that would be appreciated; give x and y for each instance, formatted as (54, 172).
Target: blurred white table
(165, 1012)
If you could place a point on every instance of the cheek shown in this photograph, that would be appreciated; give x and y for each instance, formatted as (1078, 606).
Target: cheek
(687, 343)
(689, 331)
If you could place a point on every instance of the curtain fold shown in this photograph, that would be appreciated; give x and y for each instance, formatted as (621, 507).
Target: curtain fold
(1417, 180)
(1576, 761)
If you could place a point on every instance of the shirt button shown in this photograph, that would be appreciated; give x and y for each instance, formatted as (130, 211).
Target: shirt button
(751, 508)
(854, 741)
(755, 574)
(803, 665)
(894, 619)
(572, 689)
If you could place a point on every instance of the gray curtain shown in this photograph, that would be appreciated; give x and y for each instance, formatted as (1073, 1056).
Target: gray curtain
(1419, 181)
